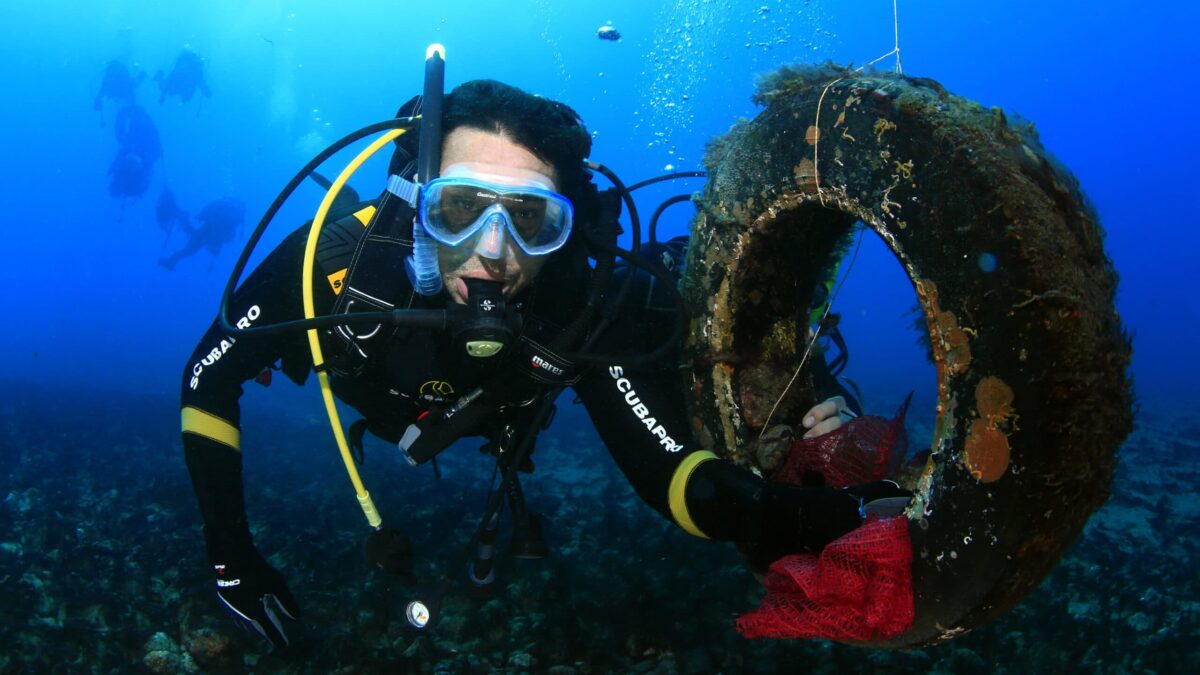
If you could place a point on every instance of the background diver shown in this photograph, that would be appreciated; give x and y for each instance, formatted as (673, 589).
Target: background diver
(138, 149)
(185, 79)
(118, 85)
(168, 213)
(220, 220)
(508, 223)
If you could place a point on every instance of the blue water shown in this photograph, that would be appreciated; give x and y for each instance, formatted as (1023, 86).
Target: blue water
(1106, 83)
(1097, 78)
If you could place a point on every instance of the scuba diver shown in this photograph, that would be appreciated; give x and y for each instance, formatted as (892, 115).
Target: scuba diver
(136, 133)
(128, 177)
(139, 149)
(493, 217)
(185, 79)
(168, 213)
(119, 85)
(219, 222)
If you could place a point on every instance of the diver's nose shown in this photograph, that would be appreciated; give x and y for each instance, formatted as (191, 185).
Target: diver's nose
(491, 238)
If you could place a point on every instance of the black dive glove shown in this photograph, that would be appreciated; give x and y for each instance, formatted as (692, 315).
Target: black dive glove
(809, 518)
(255, 594)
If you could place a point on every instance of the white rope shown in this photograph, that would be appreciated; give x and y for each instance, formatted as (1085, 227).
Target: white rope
(816, 333)
(895, 48)
(896, 27)
(821, 197)
(825, 90)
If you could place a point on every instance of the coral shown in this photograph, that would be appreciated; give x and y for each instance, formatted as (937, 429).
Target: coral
(986, 452)
(993, 399)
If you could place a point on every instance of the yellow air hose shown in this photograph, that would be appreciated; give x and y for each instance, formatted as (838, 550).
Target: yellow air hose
(314, 343)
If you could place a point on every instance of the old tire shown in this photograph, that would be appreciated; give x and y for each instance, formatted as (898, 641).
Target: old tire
(1006, 258)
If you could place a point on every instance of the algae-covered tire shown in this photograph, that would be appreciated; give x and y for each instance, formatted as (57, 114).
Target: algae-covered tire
(1007, 260)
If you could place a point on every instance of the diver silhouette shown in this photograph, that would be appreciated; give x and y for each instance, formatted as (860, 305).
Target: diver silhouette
(219, 222)
(136, 133)
(139, 149)
(168, 212)
(185, 78)
(119, 85)
(129, 176)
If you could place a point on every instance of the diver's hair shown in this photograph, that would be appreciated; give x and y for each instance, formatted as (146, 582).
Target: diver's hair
(552, 131)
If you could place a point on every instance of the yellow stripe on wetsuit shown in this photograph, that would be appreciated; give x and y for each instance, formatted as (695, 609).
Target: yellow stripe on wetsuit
(677, 493)
(208, 425)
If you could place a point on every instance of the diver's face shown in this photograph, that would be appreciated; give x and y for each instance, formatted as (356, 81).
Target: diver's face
(497, 155)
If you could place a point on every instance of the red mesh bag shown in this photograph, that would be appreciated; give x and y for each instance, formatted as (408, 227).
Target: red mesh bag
(864, 450)
(860, 587)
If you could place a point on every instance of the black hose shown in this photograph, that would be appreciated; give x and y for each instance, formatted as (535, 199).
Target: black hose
(652, 230)
(668, 176)
(659, 352)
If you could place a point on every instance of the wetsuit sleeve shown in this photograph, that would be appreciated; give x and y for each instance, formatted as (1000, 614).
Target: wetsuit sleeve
(213, 379)
(641, 416)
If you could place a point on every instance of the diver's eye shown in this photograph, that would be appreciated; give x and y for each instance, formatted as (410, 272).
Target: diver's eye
(465, 204)
(461, 206)
(526, 217)
(527, 214)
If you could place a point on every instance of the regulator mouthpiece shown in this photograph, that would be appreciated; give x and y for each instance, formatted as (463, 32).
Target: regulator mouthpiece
(484, 330)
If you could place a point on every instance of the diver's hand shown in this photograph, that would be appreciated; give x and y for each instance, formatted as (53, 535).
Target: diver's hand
(808, 518)
(826, 416)
(255, 595)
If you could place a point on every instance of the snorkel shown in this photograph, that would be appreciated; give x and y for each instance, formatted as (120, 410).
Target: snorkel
(485, 328)
(422, 265)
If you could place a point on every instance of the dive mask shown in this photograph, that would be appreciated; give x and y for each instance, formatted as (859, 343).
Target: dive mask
(465, 203)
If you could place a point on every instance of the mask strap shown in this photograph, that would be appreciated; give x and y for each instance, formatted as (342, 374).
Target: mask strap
(404, 189)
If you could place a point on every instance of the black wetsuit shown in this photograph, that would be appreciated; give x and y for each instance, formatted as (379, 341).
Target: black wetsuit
(641, 416)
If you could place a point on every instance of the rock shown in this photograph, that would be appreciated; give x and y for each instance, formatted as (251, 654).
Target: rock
(209, 648)
(162, 662)
(1084, 610)
(521, 660)
(1140, 622)
(162, 654)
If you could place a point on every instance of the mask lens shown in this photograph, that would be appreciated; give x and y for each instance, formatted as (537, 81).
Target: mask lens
(459, 206)
(454, 209)
(528, 214)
